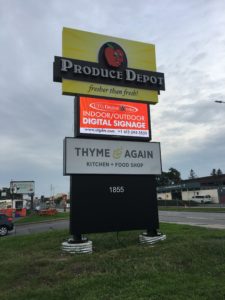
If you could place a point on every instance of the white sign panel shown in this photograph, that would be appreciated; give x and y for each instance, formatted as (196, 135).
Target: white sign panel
(89, 156)
(22, 187)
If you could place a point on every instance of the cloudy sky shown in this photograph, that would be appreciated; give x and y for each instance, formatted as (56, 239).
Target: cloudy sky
(35, 117)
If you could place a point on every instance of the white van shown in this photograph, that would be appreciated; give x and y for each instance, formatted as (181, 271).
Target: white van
(202, 199)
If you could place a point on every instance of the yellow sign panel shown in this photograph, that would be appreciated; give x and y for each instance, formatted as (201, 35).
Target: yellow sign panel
(85, 46)
(71, 87)
(105, 66)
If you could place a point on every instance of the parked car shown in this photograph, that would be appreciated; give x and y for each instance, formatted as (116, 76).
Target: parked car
(6, 224)
(202, 199)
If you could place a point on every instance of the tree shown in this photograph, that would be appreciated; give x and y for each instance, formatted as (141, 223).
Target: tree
(162, 180)
(216, 172)
(192, 174)
(168, 178)
(174, 176)
(219, 172)
(213, 173)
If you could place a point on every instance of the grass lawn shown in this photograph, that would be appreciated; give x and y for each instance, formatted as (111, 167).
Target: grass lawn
(189, 264)
(37, 218)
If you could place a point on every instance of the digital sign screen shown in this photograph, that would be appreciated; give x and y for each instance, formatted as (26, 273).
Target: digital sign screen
(113, 118)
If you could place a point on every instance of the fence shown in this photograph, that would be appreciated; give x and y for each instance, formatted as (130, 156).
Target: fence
(177, 202)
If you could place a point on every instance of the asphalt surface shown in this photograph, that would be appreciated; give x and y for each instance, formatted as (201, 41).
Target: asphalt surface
(203, 219)
(22, 229)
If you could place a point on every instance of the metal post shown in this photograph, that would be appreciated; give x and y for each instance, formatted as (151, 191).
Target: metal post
(151, 232)
(32, 202)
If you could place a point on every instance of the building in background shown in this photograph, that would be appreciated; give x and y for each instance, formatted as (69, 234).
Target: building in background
(209, 189)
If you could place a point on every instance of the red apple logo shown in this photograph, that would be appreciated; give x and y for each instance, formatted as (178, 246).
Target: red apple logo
(113, 55)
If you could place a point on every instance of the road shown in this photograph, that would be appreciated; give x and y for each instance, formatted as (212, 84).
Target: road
(40, 227)
(203, 219)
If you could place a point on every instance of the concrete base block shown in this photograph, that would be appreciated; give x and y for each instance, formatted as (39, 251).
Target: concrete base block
(150, 240)
(84, 247)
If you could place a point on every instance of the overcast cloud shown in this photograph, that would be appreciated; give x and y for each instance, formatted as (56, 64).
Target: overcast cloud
(35, 117)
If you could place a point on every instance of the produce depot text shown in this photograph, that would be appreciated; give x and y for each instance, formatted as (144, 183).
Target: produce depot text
(128, 75)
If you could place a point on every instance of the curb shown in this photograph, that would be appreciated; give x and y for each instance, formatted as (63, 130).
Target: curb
(44, 221)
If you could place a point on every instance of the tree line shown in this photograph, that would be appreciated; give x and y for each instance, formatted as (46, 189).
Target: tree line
(173, 176)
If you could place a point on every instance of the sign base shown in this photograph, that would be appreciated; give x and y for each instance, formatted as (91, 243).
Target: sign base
(150, 240)
(85, 246)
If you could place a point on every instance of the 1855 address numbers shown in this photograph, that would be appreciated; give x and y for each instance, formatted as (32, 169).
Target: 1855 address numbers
(116, 189)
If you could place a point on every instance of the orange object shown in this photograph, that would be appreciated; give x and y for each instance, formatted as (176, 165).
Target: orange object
(9, 212)
(47, 212)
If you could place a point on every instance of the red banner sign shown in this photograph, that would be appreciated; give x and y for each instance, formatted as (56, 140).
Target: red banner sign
(114, 118)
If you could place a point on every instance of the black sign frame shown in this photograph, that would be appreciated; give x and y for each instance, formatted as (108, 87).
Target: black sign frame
(109, 203)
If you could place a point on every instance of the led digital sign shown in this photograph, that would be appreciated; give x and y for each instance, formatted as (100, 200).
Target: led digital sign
(113, 118)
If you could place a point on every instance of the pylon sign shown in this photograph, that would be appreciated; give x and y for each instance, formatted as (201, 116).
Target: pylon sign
(22, 187)
(110, 160)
